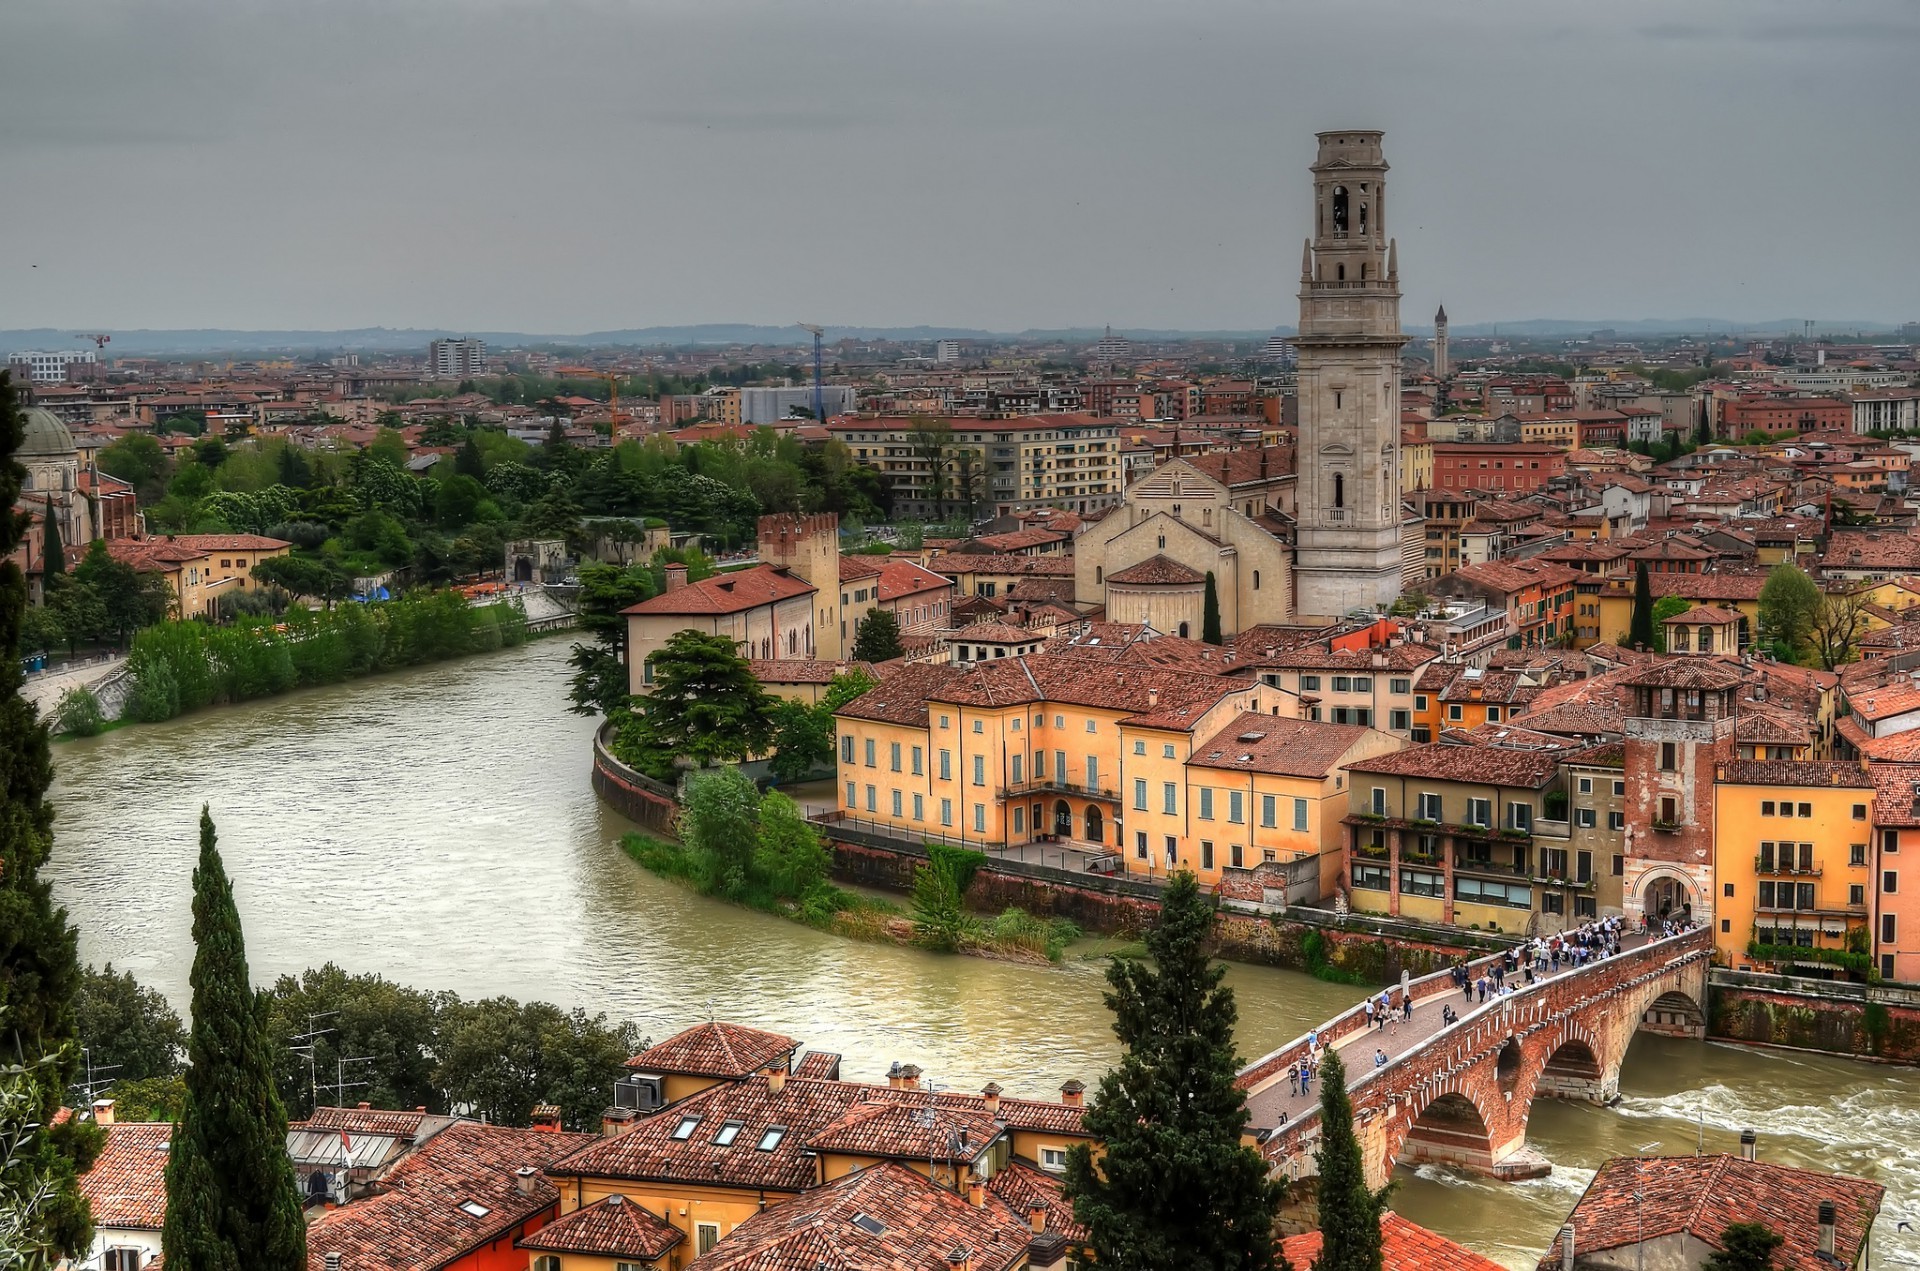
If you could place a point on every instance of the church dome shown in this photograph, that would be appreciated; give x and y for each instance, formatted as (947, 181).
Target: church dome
(45, 436)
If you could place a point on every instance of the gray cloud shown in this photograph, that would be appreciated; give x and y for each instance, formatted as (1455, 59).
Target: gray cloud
(569, 165)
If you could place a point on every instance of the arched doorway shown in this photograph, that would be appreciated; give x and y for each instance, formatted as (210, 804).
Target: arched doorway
(1062, 819)
(1096, 828)
(1666, 896)
(523, 569)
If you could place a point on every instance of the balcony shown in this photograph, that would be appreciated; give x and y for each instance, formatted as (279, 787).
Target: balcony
(1544, 828)
(1764, 866)
(1046, 785)
(1666, 827)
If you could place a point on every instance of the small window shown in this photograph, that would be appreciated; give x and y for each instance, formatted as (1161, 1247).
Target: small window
(685, 1129)
(728, 1133)
(872, 1226)
(1166, 751)
(1309, 684)
(1766, 807)
(771, 1138)
(1586, 785)
(1806, 809)
(1859, 811)
(978, 727)
(1667, 756)
(1053, 1159)
(707, 1234)
(475, 1208)
(1889, 882)
(1619, 789)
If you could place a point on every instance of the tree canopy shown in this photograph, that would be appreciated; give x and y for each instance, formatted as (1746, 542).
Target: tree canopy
(703, 703)
(877, 637)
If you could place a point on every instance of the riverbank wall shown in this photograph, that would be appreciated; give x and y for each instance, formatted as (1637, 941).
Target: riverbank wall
(647, 803)
(1859, 1021)
(1344, 948)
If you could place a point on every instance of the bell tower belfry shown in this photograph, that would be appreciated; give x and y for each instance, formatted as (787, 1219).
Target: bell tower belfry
(1348, 553)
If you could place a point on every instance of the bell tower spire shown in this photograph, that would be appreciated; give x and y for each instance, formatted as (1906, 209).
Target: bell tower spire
(1348, 551)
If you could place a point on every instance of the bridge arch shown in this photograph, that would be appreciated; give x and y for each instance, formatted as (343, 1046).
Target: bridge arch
(1674, 1013)
(1578, 1066)
(1453, 1127)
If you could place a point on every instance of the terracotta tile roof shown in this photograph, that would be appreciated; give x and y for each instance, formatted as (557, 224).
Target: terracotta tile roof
(996, 633)
(1710, 615)
(715, 1049)
(1481, 765)
(127, 1184)
(823, 1065)
(1702, 1195)
(799, 670)
(901, 696)
(1685, 673)
(1033, 536)
(231, 542)
(1156, 571)
(1896, 795)
(897, 577)
(1405, 1246)
(726, 593)
(1507, 578)
(1871, 549)
(1577, 719)
(908, 1131)
(886, 1218)
(153, 555)
(1697, 588)
(1040, 566)
(364, 1120)
(452, 1194)
(1253, 742)
(1022, 1186)
(1318, 657)
(611, 1228)
(1898, 697)
(1244, 467)
(1791, 772)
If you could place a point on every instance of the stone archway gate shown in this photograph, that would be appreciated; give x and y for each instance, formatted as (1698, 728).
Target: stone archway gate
(1463, 1094)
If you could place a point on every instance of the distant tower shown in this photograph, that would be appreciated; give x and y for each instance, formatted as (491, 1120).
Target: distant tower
(809, 546)
(1441, 363)
(1348, 552)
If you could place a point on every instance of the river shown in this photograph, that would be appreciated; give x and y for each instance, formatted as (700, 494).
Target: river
(437, 826)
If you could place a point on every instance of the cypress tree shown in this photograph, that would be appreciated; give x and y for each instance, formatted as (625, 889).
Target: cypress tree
(1640, 632)
(1210, 613)
(232, 1204)
(1349, 1209)
(53, 553)
(1171, 1117)
(39, 962)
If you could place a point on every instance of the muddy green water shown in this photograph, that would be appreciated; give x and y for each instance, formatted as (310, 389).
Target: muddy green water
(437, 826)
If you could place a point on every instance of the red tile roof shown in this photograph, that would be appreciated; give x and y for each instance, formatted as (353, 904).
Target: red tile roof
(907, 1131)
(455, 1192)
(1634, 1199)
(887, 1218)
(1156, 571)
(952, 563)
(364, 1120)
(1405, 1246)
(716, 1049)
(1276, 744)
(231, 542)
(127, 1185)
(1481, 765)
(1791, 772)
(611, 1228)
(727, 593)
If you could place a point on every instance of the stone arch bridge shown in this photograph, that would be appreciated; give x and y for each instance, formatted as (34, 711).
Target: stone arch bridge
(1460, 1094)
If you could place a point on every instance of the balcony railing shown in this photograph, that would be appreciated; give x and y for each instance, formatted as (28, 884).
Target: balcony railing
(1048, 785)
(1764, 866)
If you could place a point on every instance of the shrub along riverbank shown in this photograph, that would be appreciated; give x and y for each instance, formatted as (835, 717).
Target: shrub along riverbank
(758, 851)
(176, 667)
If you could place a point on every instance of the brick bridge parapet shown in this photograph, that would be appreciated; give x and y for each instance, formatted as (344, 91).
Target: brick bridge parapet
(1462, 1096)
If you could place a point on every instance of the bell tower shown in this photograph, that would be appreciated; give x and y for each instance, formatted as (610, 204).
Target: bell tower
(1348, 554)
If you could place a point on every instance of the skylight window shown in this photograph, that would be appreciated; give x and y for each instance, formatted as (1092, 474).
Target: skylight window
(872, 1226)
(771, 1139)
(728, 1133)
(474, 1208)
(684, 1130)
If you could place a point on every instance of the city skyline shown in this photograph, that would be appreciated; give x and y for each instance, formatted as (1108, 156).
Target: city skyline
(583, 168)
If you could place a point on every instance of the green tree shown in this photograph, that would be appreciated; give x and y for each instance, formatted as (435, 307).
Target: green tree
(1640, 633)
(232, 1204)
(788, 853)
(129, 1031)
(804, 736)
(468, 461)
(1349, 1209)
(314, 577)
(1664, 608)
(1788, 603)
(1210, 612)
(600, 680)
(1744, 1246)
(1170, 1114)
(393, 1028)
(79, 714)
(39, 966)
(704, 705)
(138, 460)
(502, 1058)
(940, 918)
(720, 821)
(129, 599)
(877, 637)
(1838, 622)
(53, 554)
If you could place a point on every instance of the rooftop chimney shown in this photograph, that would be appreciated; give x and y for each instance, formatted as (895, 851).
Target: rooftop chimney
(1749, 1145)
(332, 1261)
(990, 1099)
(1153, 697)
(103, 1112)
(546, 1118)
(676, 577)
(364, 1106)
(776, 1080)
(616, 1121)
(893, 1075)
(909, 1076)
(976, 1192)
(1566, 1248)
(1037, 1216)
(524, 1178)
(1826, 1227)
(1074, 1093)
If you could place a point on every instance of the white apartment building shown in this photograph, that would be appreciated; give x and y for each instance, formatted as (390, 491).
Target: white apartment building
(456, 359)
(47, 368)
(1009, 465)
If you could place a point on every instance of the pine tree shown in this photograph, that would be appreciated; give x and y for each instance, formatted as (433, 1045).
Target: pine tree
(53, 553)
(1349, 1209)
(1171, 1117)
(1210, 612)
(232, 1204)
(39, 963)
(1640, 631)
(1744, 1246)
(877, 637)
(468, 462)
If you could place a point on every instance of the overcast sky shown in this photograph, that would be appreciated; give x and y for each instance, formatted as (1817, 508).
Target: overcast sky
(573, 165)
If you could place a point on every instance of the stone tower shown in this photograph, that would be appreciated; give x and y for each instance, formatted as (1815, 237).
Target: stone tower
(1679, 728)
(809, 546)
(1442, 365)
(1348, 551)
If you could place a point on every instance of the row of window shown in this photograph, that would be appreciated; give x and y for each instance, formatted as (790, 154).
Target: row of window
(1236, 852)
(1782, 807)
(1432, 807)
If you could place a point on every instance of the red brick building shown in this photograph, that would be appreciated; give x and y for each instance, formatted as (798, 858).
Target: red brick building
(1512, 469)
(1743, 415)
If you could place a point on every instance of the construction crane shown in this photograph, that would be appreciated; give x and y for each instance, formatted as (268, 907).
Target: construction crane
(613, 390)
(99, 341)
(819, 400)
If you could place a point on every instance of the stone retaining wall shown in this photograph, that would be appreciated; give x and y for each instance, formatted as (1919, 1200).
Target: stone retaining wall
(1864, 1021)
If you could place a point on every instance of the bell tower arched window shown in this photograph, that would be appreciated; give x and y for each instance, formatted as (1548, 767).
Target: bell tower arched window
(1339, 490)
(1339, 211)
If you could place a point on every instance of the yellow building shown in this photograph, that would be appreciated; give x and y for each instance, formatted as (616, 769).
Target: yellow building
(1792, 861)
(231, 558)
(1737, 592)
(1416, 462)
